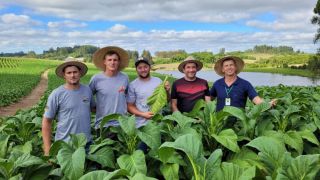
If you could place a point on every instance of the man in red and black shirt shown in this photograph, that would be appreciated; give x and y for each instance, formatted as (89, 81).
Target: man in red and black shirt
(187, 90)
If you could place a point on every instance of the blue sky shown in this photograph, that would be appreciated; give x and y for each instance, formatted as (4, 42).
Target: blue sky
(203, 25)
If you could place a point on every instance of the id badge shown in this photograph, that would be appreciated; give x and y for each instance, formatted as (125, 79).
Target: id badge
(228, 101)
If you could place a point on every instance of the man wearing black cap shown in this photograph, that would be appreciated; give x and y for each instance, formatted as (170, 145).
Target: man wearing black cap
(139, 91)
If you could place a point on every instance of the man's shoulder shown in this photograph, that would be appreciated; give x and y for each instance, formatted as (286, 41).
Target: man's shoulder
(201, 80)
(179, 80)
(96, 76)
(218, 82)
(242, 81)
(122, 74)
(85, 87)
(58, 90)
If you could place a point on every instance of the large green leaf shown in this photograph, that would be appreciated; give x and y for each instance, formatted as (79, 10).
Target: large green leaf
(56, 146)
(3, 145)
(103, 143)
(308, 135)
(302, 167)
(246, 158)
(159, 98)
(38, 173)
(27, 160)
(212, 164)
(150, 134)
(294, 140)
(182, 120)
(256, 111)
(140, 176)
(170, 171)
(106, 119)
(78, 140)
(191, 145)
(229, 171)
(228, 138)
(26, 148)
(236, 112)
(6, 169)
(72, 162)
(104, 175)
(272, 152)
(128, 124)
(103, 156)
(178, 131)
(134, 163)
(197, 108)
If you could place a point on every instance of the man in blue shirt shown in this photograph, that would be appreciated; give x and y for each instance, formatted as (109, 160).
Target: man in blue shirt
(232, 90)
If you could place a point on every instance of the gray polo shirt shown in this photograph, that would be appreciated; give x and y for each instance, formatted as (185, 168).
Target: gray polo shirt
(110, 95)
(72, 109)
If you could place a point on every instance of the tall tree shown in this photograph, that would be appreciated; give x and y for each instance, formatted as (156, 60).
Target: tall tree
(316, 20)
(147, 54)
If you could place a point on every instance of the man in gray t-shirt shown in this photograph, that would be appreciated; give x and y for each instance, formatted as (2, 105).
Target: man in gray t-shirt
(70, 104)
(140, 89)
(110, 86)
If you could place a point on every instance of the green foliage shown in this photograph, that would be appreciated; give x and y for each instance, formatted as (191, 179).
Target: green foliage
(271, 49)
(264, 143)
(314, 64)
(158, 99)
(19, 76)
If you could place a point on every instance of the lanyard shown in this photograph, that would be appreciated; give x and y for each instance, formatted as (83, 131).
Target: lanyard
(228, 90)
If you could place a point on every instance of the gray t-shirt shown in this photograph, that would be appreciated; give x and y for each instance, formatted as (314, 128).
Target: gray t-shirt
(72, 109)
(110, 95)
(138, 93)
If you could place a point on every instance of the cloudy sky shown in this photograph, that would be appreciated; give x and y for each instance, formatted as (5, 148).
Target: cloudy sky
(192, 25)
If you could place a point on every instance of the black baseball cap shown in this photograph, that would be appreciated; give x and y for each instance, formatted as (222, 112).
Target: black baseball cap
(142, 60)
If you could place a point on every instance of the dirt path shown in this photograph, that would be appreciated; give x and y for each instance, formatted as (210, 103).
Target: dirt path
(27, 101)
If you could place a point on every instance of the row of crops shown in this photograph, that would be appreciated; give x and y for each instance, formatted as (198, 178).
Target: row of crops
(280, 142)
(19, 76)
(9, 62)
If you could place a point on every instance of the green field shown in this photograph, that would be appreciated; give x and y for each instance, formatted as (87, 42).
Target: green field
(280, 142)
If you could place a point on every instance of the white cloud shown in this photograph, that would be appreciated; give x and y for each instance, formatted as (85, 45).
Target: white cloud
(291, 25)
(17, 20)
(189, 10)
(66, 23)
(154, 40)
(118, 28)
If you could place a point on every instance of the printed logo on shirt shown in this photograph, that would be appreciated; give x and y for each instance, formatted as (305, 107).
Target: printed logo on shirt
(121, 89)
(85, 99)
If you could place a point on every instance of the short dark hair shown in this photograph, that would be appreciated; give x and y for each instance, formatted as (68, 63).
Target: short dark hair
(112, 52)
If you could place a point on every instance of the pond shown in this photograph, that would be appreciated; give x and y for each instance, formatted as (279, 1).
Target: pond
(255, 78)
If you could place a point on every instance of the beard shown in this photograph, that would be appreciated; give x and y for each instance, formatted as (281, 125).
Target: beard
(144, 77)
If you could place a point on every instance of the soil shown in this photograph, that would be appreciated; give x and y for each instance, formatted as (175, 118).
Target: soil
(29, 100)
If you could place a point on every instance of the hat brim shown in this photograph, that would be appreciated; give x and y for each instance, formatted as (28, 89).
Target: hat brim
(238, 62)
(99, 56)
(198, 63)
(82, 68)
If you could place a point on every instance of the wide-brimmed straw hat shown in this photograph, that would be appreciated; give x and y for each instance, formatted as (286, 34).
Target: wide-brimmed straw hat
(238, 62)
(190, 59)
(99, 56)
(82, 68)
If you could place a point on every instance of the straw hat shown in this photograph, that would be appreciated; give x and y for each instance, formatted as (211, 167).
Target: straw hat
(238, 62)
(83, 68)
(190, 59)
(99, 56)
